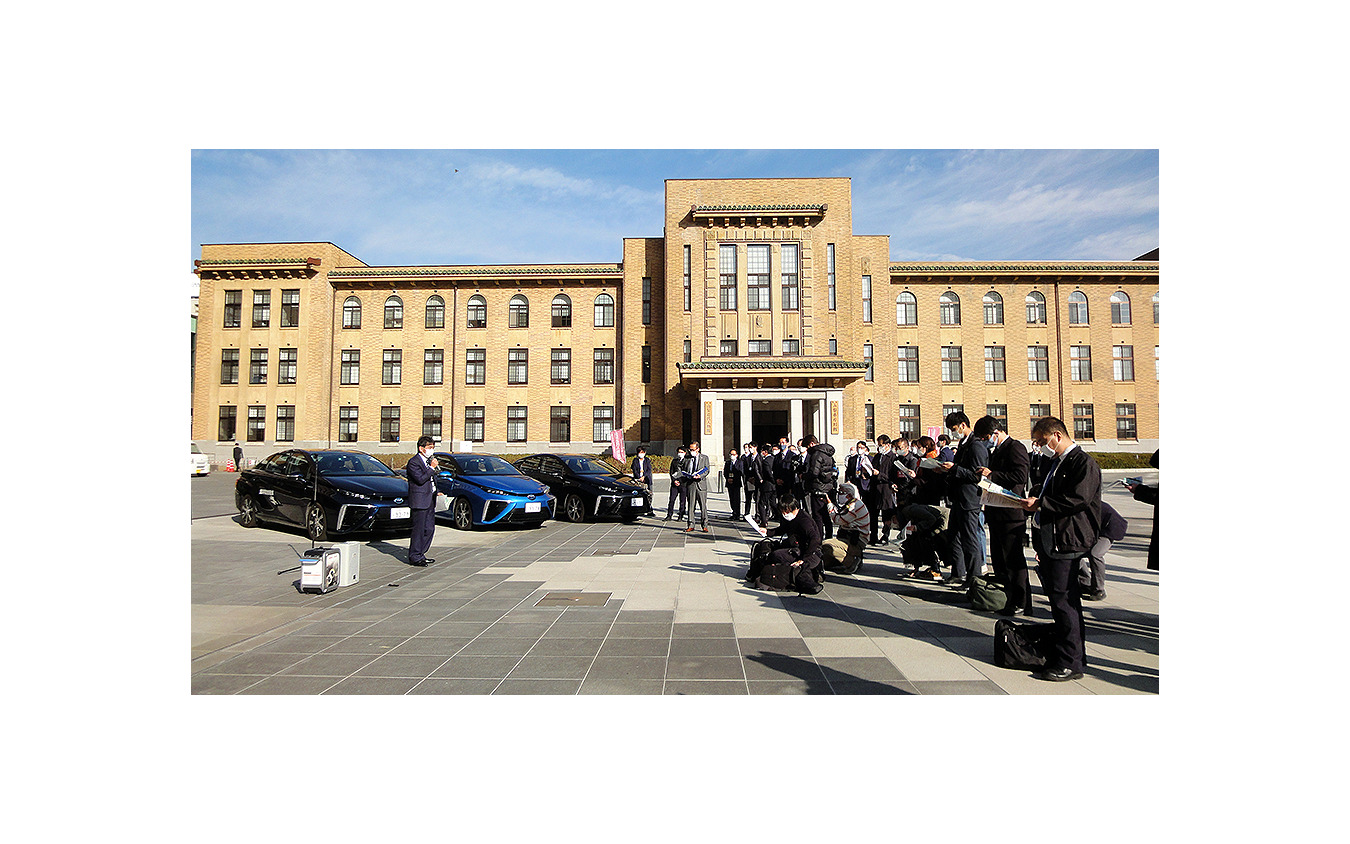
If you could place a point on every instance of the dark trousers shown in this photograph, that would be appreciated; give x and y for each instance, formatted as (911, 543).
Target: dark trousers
(1059, 579)
(1009, 560)
(872, 498)
(423, 526)
(764, 504)
(734, 492)
(804, 577)
(964, 526)
(680, 492)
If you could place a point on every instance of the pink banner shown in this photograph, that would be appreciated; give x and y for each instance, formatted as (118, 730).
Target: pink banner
(616, 444)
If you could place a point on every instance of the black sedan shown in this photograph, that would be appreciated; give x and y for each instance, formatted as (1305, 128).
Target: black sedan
(586, 487)
(328, 493)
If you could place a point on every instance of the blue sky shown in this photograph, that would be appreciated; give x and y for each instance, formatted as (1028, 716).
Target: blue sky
(472, 206)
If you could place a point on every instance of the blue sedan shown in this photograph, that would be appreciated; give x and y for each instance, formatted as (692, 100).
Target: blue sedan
(486, 490)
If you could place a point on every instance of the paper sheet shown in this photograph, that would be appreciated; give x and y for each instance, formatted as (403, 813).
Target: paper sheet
(754, 524)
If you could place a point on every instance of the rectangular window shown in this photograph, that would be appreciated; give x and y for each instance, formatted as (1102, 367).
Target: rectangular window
(645, 425)
(869, 422)
(475, 366)
(517, 366)
(907, 358)
(909, 421)
(1082, 422)
(257, 423)
(994, 369)
(688, 352)
(647, 300)
(604, 366)
(431, 421)
(560, 423)
(948, 410)
(759, 347)
(347, 418)
(727, 348)
(759, 291)
(257, 366)
(998, 411)
(389, 424)
(1126, 428)
(790, 279)
(688, 286)
(867, 359)
(726, 267)
(1157, 369)
(1080, 363)
(834, 346)
(1122, 362)
(290, 308)
(286, 366)
(867, 298)
(229, 366)
(561, 311)
(234, 306)
(1038, 412)
(473, 424)
(433, 366)
(227, 423)
(1038, 363)
(602, 422)
(792, 347)
(286, 423)
(646, 364)
(829, 273)
(351, 366)
(515, 424)
(262, 308)
(951, 363)
(560, 366)
(391, 372)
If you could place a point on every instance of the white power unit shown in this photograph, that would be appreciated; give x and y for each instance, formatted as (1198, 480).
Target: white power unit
(319, 570)
(349, 563)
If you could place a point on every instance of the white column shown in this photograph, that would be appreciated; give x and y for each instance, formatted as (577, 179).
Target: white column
(746, 411)
(795, 424)
(834, 419)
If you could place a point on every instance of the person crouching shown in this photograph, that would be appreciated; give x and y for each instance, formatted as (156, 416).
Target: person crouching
(852, 518)
(801, 552)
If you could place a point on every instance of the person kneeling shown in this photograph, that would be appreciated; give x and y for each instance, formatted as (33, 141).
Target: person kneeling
(852, 518)
(800, 553)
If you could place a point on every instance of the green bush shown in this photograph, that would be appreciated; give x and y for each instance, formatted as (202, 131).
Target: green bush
(1121, 460)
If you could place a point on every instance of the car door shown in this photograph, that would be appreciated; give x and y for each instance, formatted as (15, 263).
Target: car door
(294, 486)
(554, 474)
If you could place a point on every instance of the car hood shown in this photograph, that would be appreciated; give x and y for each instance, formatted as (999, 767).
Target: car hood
(381, 485)
(623, 483)
(514, 484)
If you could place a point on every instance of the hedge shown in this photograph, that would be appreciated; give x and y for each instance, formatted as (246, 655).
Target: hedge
(1121, 459)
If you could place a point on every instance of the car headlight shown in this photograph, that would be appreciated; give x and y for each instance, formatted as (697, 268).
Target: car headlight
(491, 491)
(357, 495)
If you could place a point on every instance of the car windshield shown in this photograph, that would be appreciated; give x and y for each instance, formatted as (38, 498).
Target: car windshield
(588, 466)
(196, 450)
(480, 464)
(350, 463)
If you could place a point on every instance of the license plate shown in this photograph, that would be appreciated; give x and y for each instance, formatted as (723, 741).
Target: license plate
(533, 507)
(400, 513)
(637, 501)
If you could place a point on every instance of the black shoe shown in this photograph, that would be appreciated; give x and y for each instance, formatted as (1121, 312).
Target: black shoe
(1011, 611)
(1060, 675)
(1099, 595)
(813, 590)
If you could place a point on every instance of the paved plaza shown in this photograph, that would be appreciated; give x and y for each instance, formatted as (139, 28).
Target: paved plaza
(615, 609)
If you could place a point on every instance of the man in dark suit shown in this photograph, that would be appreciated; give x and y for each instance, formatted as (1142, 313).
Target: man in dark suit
(678, 491)
(642, 473)
(696, 473)
(1008, 467)
(731, 470)
(963, 493)
(749, 466)
(421, 470)
(1066, 522)
(765, 496)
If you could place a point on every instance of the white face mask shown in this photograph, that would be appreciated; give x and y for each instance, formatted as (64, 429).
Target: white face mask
(787, 517)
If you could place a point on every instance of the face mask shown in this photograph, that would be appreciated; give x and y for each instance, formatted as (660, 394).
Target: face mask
(787, 517)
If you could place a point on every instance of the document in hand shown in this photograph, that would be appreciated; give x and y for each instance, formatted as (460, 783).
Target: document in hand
(929, 463)
(993, 495)
(754, 524)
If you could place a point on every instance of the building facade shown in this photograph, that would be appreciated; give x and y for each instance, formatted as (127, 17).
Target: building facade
(758, 314)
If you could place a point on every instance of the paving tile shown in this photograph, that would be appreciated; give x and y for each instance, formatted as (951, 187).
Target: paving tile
(565, 646)
(619, 646)
(682, 647)
(395, 665)
(831, 646)
(441, 686)
(577, 630)
(816, 628)
(627, 616)
(593, 685)
(372, 686)
(705, 668)
(927, 659)
(853, 668)
(868, 687)
(367, 645)
(551, 667)
(431, 646)
(476, 667)
(704, 631)
(497, 646)
(790, 687)
(961, 687)
(290, 686)
(782, 668)
(706, 687)
(470, 614)
(335, 628)
(773, 646)
(457, 629)
(256, 663)
(296, 643)
(512, 686)
(628, 668)
(330, 665)
(641, 630)
(222, 684)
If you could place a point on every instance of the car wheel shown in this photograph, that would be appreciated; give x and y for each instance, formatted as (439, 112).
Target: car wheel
(574, 509)
(316, 523)
(248, 512)
(462, 514)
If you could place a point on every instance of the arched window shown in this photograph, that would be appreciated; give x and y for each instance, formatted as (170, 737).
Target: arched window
(435, 312)
(1120, 308)
(562, 311)
(1035, 308)
(604, 311)
(949, 308)
(906, 309)
(1078, 310)
(393, 312)
(351, 313)
(1155, 308)
(993, 308)
(477, 311)
(519, 313)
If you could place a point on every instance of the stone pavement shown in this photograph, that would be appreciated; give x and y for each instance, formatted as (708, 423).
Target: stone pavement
(501, 612)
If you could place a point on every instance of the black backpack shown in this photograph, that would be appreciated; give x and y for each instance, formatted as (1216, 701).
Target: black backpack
(1021, 644)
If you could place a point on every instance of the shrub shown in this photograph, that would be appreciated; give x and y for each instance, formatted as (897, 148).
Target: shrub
(1121, 460)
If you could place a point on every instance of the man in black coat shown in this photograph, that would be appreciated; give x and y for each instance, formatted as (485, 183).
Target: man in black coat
(765, 497)
(678, 491)
(1066, 522)
(818, 483)
(642, 473)
(731, 471)
(1009, 467)
(749, 467)
(803, 549)
(963, 493)
(1149, 495)
(421, 471)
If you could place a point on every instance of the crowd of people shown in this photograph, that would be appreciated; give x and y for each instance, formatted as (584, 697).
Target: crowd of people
(928, 498)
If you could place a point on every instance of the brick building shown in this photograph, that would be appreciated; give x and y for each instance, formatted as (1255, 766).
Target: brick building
(759, 313)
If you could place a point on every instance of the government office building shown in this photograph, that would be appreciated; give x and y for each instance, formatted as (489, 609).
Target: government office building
(758, 314)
